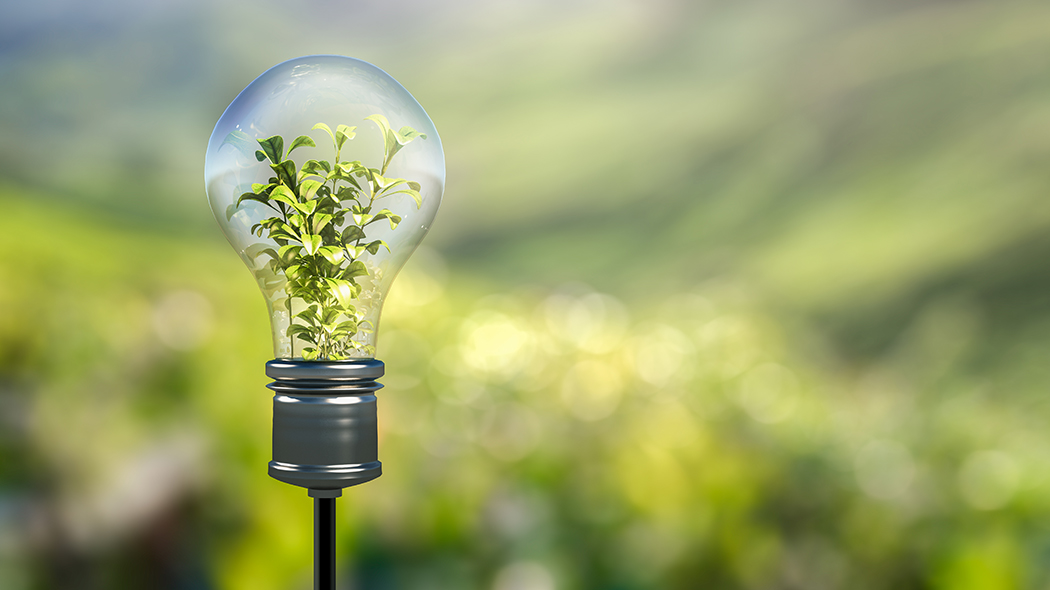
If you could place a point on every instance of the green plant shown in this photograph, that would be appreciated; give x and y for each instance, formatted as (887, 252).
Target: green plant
(322, 212)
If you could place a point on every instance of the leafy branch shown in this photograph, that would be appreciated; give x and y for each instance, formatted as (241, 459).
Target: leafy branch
(321, 214)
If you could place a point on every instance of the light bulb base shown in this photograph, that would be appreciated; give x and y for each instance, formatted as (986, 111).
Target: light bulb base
(325, 435)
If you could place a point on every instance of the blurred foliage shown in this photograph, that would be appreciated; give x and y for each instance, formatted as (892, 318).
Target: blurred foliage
(757, 298)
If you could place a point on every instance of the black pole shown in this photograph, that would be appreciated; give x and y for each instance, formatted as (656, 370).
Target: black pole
(324, 543)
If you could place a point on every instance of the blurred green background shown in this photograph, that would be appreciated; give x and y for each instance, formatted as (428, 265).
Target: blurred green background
(722, 295)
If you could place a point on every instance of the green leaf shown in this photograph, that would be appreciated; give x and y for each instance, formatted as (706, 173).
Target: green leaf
(360, 215)
(288, 252)
(347, 193)
(273, 147)
(355, 269)
(393, 141)
(296, 329)
(286, 235)
(373, 247)
(327, 130)
(309, 188)
(252, 197)
(282, 227)
(342, 135)
(309, 314)
(285, 172)
(384, 127)
(366, 173)
(315, 168)
(389, 215)
(307, 207)
(259, 155)
(407, 134)
(386, 184)
(351, 165)
(310, 354)
(329, 316)
(285, 195)
(347, 328)
(414, 194)
(340, 174)
(327, 201)
(301, 141)
(352, 233)
(320, 221)
(343, 291)
(311, 243)
(333, 254)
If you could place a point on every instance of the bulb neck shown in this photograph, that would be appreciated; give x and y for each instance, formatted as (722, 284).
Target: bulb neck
(325, 436)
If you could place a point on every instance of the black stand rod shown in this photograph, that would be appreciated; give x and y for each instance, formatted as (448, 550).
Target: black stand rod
(324, 543)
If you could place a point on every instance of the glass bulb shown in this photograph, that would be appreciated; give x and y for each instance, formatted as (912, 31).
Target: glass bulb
(324, 174)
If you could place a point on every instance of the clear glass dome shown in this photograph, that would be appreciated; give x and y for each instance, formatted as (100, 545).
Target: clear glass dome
(324, 174)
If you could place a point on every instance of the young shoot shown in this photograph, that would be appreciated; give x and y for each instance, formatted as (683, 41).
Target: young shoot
(322, 215)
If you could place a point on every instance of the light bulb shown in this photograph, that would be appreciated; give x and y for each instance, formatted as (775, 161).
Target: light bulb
(325, 174)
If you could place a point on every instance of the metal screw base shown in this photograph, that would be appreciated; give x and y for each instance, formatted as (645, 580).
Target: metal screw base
(324, 423)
